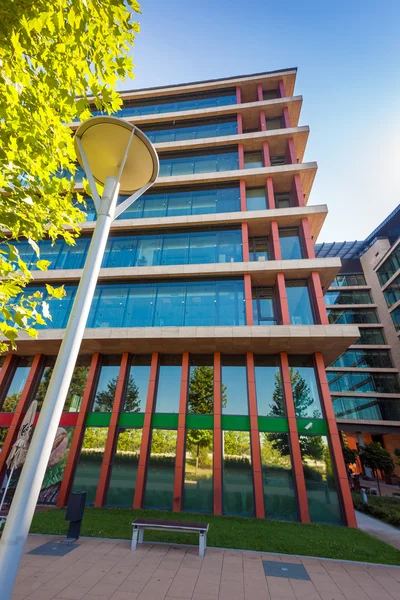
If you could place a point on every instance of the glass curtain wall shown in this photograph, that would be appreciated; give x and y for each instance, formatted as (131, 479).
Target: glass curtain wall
(106, 384)
(383, 383)
(349, 280)
(125, 462)
(168, 385)
(270, 400)
(238, 493)
(264, 306)
(371, 336)
(159, 490)
(184, 130)
(89, 463)
(234, 385)
(191, 164)
(305, 390)
(370, 408)
(289, 240)
(138, 383)
(352, 315)
(351, 297)
(364, 358)
(299, 301)
(11, 393)
(389, 267)
(256, 199)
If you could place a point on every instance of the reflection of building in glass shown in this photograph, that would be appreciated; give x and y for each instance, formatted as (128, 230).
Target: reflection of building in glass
(201, 383)
(364, 381)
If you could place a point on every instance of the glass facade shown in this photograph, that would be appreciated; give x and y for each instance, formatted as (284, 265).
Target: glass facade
(194, 247)
(168, 384)
(259, 248)
(138, 382)
(389, 267)
(264, 309)
(349, 280)
(11, 393)
(238, 495)
(279, 491)
(369, 409)
(289, 240)
(270, 400)
(201, 385)
(184, 130)
(371, 335)
(364, 358)
(348, 297)
(234, 385)
(161, 470)
(352, 315)
(122, 484)
(256, 199)
(395, 314)
(253, 160)
(158, 304)
(299, 301)
(185, 163)
(384, 383)
(198, 481)
(305, 390)
(392, 292)
(87, 472)
(106, 384)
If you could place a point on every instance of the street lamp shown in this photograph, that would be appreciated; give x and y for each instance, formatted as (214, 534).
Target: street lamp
(118, 156)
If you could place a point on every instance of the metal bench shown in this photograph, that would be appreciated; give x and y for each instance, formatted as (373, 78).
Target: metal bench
(139, 526)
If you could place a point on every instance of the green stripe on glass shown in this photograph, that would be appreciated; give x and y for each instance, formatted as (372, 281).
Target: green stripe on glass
(164, 421)
(273, 424)
(200, 421)
(235, 423)
(314, 426)
(131, 420)
(98, 420)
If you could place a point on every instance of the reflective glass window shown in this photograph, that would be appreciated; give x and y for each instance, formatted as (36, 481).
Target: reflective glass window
(198, 482)
(11, 394)
(389, 267)
(51, 484)
(306, 396)
(395, 314)
(186, 164)
(270, 94)
(256, 199)
(392, 292)
(238, 495)
(352, 315)
(348, 297)
(274, 123)
(199, 129)
(342, 381)
(368, 408)
(125, 462)
(253, 160)
(259, 248)
(138, 383)
(290, 244)
(371, 336)
(349, 280)
(159, 490)
(87, 472)
(299, 301)
(284, 200)
(201, 385)
(279, 490)
(264, 311)
(76, 388)
(168, 384)
(323, 500)
(364, 358)
(106, 384)
(270, 400)
(234, 385)
(3, 435)
(41, 389)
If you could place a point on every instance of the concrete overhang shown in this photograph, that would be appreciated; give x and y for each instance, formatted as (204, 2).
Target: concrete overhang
(331, 340)
(368, 426)
(262, 273)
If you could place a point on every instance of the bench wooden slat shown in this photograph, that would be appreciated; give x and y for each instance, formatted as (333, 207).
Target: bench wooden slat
(170, 524)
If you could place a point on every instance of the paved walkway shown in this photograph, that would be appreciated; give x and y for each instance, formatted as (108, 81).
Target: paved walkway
(383, 531)
(108, 570)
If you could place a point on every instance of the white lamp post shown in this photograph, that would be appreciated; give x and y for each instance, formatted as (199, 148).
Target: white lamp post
(117, 155)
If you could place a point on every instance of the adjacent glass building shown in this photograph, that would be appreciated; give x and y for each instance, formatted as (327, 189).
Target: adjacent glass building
(201, 382)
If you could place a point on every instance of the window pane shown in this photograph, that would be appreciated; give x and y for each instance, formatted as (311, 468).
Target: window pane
(256, 199)
(290, 244)
(78, 384)
(270, 401)
(107, 384)
(299, 301)
(371, 336)
(264, 306)
(161, 470)
(3, 435)
(138, 383)
(44, 381)
(279, 490)
(10, 399)
(198, 483)
(201, 385)
(304, 386)
(169, 383)
(234, 386)
(238, 497)
(253, 160)
(51, 484)
(323, 501)
(124, 468)
(89, 464)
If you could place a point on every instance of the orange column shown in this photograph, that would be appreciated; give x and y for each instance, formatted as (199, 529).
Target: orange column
(318, 297)
(217, 465)
(281, 86)
(308, 245)
(248, 299)
(245, 242)
(263, 121)
(255, 438)
(21, 408)
(266, 156)
(291, 156)
(238, 95)
(146, 434)
(6, 371)
(334, 439)
(180, 444)
(242, 187)
(79, 431)
(297, 190)
(274, 233)
(260, 93)
(112, 433)
(239, 123)
(297, 463)
(286, 117)
(241, 156)
(282, 299)
(269, 190)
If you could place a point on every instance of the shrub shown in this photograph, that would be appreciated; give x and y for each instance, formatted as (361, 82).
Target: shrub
(383, 508)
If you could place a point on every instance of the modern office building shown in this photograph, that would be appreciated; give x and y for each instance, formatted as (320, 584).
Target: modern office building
(364, 381)
(201, 381)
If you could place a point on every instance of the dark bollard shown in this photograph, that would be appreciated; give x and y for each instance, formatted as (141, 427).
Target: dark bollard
(74, 514)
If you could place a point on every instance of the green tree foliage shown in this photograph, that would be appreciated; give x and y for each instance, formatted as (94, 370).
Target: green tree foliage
(377, 459)
(129, 440)
(95, 438)
(349, 455)
(50, 54)
(236, 443)
(75, 391)
(163, 441)
(104, 400)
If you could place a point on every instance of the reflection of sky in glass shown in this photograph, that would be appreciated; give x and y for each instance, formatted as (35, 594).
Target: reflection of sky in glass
(300, 310)
(107, 374)
(139, 374)
(308, 376)
(234, 378)
(18, 381)
(169, 381)
(266, 383)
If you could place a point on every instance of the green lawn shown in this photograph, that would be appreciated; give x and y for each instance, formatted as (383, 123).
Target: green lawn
(231, 532)
(381, 507)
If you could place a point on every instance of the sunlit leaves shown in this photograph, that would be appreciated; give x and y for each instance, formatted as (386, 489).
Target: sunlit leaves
(51, 53)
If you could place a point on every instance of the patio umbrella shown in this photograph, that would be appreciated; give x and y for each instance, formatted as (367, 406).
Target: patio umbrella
(20, 447)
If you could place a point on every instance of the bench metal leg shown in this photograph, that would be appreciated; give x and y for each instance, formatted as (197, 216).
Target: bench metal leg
(141, 534)
(202, 543)
(134, 538)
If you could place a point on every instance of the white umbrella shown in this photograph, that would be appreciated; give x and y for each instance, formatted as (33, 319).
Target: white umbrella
(20, 447)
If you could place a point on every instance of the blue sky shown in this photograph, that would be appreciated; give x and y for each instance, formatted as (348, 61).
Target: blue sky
(347, 53)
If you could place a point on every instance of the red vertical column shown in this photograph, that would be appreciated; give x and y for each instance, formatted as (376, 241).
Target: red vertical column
(146, 433)
(180, 444)
(238, 95)
(318, 297)
(297, 463)
(239, 123)
(297, 191)
(334, 439)
(282, 300)
(248, 299)
(255, 438)
(79, 431)
(274, 233)
(286, 118)
(20, 410)
(269, 190)
(306, 238)
(241, 156)
(245, 242)
(112, 433)
(6, 371)
(281, 87)
(217, 464)
(260, 97)
(263, 121)
(290, 155)
(242, 188)
(266, 156)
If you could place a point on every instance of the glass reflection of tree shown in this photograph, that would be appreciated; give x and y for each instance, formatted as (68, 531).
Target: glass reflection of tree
(10, 403)
(75, 391)
(104, 400)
